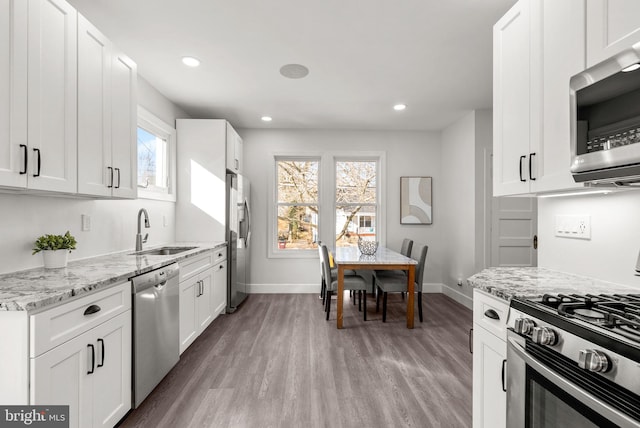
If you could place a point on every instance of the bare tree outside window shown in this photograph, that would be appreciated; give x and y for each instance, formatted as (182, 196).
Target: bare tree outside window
(297, 204)
(356, 198)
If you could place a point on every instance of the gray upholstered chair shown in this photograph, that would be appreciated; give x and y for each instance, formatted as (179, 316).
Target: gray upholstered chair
(334, 274)
(351, 282)
(398, 284)
(405, 250)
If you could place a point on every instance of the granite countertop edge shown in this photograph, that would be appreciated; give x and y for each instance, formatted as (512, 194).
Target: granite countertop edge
(34, 289)
(533, 282)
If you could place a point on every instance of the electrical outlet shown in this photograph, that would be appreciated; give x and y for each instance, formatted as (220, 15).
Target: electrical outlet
(573, 226)
(86, 222)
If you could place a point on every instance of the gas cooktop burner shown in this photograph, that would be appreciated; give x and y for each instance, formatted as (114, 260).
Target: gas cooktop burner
(616, 312)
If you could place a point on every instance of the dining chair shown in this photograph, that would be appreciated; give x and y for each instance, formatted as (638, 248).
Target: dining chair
(351, 282)
(405, 250)
(398, 284)
(334, 274)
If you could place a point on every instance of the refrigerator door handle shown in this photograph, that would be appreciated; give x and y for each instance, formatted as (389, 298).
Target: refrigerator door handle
(248, 220)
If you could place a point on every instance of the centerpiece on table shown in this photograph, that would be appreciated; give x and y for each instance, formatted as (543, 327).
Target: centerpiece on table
(55, 249)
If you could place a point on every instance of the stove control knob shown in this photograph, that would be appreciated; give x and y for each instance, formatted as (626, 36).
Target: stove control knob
(593, 360)
(544, 336)
(523, 326)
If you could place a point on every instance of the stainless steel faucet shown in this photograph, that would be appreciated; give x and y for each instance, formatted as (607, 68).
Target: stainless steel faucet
(139, 240)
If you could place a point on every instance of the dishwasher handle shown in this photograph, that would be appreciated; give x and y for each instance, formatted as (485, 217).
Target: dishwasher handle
(155, 277)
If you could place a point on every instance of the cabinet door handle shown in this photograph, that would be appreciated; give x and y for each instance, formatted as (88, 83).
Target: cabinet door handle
(111, 177)
(93, 359)
(490, 313)
(92, 309)
(531, 155)
(37, 174)
(26, 157)
(101, 342)
(237, 164)
(118, 171)
(504, 376)
(471, 340)
(221, 267)
(521, 157)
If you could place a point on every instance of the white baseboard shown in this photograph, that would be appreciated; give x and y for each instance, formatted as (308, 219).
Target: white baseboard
(458, 296)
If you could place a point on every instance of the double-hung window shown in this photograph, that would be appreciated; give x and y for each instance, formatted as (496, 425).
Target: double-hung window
(298, 206)
(356, 200)
(156, 157)
(332, 197)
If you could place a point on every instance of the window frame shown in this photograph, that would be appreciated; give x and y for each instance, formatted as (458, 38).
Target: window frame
(272, 240)
(380, 159)
(156, 126)
(326, 198)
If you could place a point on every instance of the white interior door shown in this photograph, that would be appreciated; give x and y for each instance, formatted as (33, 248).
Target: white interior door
(514, 224)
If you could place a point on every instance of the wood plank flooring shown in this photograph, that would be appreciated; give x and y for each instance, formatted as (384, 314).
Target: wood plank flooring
(276, 362)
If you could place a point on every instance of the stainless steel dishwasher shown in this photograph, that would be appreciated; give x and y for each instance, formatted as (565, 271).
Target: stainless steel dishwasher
(156, 341)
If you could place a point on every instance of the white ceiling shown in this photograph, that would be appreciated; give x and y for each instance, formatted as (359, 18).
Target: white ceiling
(364, 56)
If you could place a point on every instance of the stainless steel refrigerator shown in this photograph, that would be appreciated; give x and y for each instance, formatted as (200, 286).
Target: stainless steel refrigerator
(238, 235)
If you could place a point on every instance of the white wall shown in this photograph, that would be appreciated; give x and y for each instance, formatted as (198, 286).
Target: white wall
(407, 153)
(113, 223)
(463, 198)
(611, 253)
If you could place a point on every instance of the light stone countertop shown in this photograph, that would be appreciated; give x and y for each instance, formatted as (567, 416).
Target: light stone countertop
(33, 289)
(533, 282)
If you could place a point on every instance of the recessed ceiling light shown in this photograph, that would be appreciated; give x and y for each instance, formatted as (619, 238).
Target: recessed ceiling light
(399, 107)
(294, 71)
(632, 67)
(267, 118)
(190, 61)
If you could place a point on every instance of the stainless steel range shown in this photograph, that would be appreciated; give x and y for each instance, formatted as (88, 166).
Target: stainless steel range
(574, 361)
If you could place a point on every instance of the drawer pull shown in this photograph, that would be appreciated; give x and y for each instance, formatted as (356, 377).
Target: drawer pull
(490, 313)
(92, 310)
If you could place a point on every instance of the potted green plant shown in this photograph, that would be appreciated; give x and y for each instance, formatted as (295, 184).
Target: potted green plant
(55, 249)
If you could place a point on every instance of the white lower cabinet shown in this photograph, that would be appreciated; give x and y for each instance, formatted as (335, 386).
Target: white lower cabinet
(203, 294)
(80, 356)
(91, 373)
(489, 361)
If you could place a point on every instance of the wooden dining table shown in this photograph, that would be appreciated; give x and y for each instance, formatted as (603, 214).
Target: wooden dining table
(383, 259)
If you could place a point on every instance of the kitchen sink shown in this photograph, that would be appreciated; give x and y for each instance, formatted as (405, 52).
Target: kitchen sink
(163, 251)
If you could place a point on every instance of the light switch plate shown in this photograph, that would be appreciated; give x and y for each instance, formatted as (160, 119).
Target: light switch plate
(573, 226)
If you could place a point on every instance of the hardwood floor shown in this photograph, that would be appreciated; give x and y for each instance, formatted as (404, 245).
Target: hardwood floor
(276, 362)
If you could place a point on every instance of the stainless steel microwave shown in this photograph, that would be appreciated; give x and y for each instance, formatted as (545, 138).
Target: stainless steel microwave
(605, 121)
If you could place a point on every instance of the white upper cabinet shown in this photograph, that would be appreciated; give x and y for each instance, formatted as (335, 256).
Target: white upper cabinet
(94, 129)
(234, 150)
(562, 39)
(123, 125)
(512, 100)
(538, 46)
(52, 96)
(107, 161)
(67, 104)
(612, 26)
(13, 93)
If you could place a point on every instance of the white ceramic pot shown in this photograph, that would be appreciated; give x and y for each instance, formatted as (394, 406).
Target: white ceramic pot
(54, 259)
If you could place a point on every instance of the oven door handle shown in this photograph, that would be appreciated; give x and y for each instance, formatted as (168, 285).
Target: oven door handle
(575, 391)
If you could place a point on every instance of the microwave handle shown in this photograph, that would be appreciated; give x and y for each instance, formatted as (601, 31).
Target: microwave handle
(575, 391)
(521, 179)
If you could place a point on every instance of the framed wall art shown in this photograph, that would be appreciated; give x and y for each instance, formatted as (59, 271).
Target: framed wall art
(415, 200)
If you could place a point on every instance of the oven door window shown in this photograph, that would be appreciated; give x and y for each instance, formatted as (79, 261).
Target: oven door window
(549, 407)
